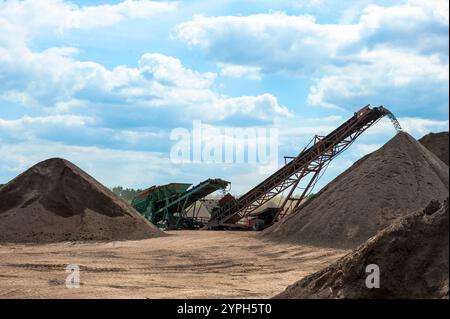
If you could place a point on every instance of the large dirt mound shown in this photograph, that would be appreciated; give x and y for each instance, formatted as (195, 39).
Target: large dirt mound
(438, 144)
(399, 178)
(56, 201)
(412, 256)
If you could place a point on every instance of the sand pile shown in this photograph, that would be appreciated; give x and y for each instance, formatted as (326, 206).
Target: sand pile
(399, 178)
(56, 201)
(412, 256)
(437, 143)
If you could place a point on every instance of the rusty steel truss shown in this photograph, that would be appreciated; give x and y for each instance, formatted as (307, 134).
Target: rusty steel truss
(308, 164)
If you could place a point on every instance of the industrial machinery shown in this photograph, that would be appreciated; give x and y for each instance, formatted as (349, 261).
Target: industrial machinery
(306, 167)
(262, 219)
(166, 206)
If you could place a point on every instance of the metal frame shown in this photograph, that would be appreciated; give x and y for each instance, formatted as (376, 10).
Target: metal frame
(310, 161)
(175, 203)
(181, 211)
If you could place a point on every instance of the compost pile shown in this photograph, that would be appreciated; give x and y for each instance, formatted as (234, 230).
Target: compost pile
(56, 201)
(412, 256)
(399, 178)
(437, 143)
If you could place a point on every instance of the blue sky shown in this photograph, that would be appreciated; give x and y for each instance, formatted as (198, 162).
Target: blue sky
(103, 83)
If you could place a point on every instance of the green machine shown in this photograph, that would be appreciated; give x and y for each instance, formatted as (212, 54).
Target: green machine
(166, 206)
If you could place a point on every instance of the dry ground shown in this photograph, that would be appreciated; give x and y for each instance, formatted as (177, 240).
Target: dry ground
(186, 264)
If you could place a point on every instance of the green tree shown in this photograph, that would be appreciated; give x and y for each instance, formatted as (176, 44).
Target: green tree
(127, 194)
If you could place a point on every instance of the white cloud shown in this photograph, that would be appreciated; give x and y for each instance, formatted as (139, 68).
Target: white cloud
(240, 71)
(262, 107)
(93, 115)
(29, 128)
(168, 70)
(30, 17)
(381, 75)
(438, 8)
(54, 79)
(299, 44)
(396, 54)
(27, 121)
(80, 130)
(270, 41)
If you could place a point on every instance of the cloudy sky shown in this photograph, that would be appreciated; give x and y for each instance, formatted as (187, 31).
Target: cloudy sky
(103, 83)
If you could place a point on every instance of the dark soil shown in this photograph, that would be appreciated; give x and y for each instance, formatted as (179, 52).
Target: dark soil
(412, 256)
(56, 201)
(399, 178)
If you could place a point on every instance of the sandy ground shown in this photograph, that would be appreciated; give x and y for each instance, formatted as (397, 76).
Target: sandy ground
(186, 264)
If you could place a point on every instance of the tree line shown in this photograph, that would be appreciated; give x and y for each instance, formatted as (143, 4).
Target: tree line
(126, 194)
